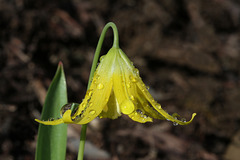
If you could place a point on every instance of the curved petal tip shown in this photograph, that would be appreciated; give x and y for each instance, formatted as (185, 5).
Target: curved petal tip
(54, 122)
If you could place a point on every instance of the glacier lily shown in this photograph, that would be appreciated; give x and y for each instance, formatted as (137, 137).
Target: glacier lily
(116, 89)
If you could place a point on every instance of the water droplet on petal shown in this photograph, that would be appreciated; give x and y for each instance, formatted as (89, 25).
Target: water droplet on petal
(92, 112)
(90, 104)
(83, 104)
(133, 79)
(94, 81)
(175, 123)
(183, 120)
(69, 106)
(158, 106)
(147, 87)
(89, 93)
(139, 111)
(96, 76)
(132, 97)
(146, 104)
(136, 71)
(128, 85)
(127, 107)
(51, 119)
(88, 118)
(106, 99)
(100, 86)
(102, 57)
(65, 108)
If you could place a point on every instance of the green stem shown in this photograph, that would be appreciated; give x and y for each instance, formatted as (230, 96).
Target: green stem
(94, 66)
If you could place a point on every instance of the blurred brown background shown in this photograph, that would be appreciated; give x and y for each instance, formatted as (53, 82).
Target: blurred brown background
(187, 51)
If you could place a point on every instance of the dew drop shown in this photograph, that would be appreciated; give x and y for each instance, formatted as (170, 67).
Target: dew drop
(94, 81)
(51, 119)
(158, 106)
(133, 79)
(106, 99)
(92, 112)
(128, 85)
(90, 104)
(147, 87)
(127, 107)
(136, 71)
(139, 111)
(132, 97)
(146, 104)
(96, 76)
(89, 93)
(100, 86)
(175, 123)
(88, 118)
(102, 57)
(183, 120)
(69, 106)
(83, 104)
(65, 108)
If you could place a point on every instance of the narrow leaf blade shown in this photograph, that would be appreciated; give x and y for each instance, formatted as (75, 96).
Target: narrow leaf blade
(51, 143)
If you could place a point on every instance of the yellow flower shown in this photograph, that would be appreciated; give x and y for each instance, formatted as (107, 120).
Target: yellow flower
(116, 89)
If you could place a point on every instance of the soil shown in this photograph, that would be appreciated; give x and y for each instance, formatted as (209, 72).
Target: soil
(188, 52)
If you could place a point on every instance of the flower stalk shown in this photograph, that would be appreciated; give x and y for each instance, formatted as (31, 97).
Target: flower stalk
(94, 66)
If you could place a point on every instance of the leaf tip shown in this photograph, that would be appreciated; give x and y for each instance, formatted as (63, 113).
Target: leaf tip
(60, 64)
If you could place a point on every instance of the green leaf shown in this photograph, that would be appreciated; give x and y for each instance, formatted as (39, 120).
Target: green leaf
(51, 143)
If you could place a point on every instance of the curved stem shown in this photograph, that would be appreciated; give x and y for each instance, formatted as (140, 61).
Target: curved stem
(94, 66)
(99, 47)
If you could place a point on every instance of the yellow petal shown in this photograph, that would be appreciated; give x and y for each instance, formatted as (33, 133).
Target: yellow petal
(54, 122)
(127, 107)
(131, 78)
(140, 117)
(98, 95)
(67, 117)
(145, 102)
(112, 109)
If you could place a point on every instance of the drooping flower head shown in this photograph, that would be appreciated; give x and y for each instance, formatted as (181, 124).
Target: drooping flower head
(116, 89)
